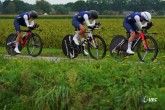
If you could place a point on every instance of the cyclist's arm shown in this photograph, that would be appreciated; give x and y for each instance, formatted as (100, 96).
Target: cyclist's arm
(87, 21)
(27, 22)
(139, 23)
(32, 23)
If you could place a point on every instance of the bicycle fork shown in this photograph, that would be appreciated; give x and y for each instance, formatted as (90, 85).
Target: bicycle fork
(93, 43)
(144, 41)
(145, 44)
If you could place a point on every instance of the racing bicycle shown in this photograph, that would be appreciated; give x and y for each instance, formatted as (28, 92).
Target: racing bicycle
(32, 40)
(147, 48)
(96, 45)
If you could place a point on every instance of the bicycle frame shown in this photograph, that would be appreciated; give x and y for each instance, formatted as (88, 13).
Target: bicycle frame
(90, 35)
(142, 37)
(95, 45)
(26, 38)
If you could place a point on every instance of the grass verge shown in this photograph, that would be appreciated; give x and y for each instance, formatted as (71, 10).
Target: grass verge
(81, 85)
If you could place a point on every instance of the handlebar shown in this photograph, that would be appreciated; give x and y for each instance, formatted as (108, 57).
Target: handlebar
(145, 31)
(95, 28)
(30, 29)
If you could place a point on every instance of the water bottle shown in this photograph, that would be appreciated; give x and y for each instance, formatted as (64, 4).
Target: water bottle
(24, 36)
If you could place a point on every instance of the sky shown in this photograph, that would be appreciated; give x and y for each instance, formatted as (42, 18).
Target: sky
(50, 1)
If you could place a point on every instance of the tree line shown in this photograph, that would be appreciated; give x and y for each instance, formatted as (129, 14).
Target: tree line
(102, 6)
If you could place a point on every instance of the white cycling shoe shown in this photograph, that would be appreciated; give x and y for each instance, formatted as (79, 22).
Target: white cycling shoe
(129, 51)
(76, 41)
(85, 53)
(16, 50)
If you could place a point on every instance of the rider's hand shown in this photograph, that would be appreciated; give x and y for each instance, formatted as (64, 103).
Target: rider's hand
(150, 24)
(97, 24)
(35, 25)
(31, 28)
(91, 27)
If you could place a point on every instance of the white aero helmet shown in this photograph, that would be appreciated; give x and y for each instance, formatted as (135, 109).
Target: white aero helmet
(146, 15)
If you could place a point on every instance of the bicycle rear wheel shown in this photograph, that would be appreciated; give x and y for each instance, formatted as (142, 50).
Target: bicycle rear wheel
(147, 53)
(69, 49)
(34, 45)
(10, 44)
(118, 47)
(97, 47)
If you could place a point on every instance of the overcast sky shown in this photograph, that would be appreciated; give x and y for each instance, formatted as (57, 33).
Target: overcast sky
(50, 1)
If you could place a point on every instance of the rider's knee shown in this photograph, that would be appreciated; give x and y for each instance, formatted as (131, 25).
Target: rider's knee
(133, 34)
(83, 29)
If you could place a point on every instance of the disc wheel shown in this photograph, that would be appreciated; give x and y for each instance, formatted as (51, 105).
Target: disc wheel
(68, 47)
(10, 44)
(118, 47)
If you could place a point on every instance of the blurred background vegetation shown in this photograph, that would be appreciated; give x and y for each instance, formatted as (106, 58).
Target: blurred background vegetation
(104, 7)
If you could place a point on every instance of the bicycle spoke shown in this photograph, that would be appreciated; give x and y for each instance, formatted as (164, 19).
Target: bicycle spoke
(97, 53)
(93, 44)
(97, 47)
(145, 55)
(32, 50)
(34, 45)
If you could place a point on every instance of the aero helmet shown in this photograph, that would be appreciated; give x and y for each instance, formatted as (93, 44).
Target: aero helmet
(33, 14)
(146, 15)
(94, 14)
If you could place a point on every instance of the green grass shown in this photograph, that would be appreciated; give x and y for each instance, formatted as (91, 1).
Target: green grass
(54, 30)
(81, 85)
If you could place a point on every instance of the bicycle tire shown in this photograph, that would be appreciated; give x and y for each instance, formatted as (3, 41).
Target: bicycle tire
(68, 48)
(10, 45)
(100, 48)
(152, 49)
(34, 42)
(118, 47)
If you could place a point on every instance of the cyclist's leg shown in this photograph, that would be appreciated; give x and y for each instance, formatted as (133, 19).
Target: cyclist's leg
(76, 24)
(81, 32)
(17, 28)
(84, 40)
(130, 29)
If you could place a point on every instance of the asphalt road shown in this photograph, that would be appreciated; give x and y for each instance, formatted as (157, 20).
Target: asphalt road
(55, 59)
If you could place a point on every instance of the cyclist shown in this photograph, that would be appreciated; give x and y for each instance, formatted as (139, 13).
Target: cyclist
(78, 23)
(131, 24)
(23, 20)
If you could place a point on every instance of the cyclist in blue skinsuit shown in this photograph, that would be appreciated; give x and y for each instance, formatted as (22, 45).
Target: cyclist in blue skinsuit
(78, 22)
(23, 20)
(132, 23)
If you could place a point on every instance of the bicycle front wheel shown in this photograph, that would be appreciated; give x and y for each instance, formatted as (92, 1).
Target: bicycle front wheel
(147, 52)
(97, 47)
(34, 45)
